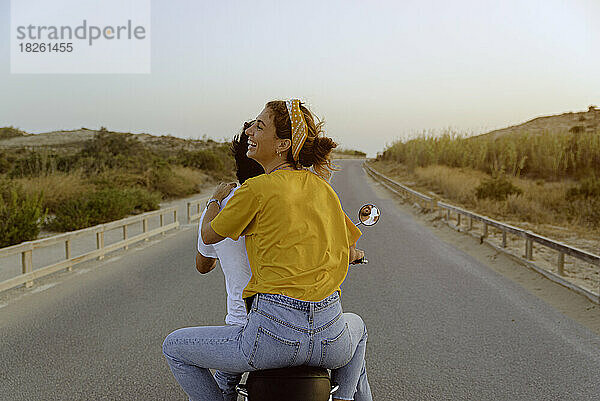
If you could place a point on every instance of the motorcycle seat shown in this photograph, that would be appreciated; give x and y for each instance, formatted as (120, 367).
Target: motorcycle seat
(298, 383)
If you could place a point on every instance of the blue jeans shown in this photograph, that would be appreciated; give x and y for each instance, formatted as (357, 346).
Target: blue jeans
(280, 332)
(227, 382)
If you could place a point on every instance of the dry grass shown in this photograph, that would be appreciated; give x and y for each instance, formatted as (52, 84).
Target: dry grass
(456, 184)
(545, 164)
(177, 181)
(193, 177)
(543, 206)
(56, 187)
(549, 155)
(59, 187)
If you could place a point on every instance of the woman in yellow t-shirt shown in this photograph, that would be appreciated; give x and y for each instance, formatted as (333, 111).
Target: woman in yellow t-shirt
(299, 243)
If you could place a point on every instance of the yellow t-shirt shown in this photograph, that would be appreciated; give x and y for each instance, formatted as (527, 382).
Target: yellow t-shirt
(297, 235)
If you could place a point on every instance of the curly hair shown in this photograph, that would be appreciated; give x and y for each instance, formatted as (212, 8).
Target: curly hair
(316, 151)
(244, 166)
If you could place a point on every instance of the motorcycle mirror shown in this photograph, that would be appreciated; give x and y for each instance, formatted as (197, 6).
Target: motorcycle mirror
(368, 215)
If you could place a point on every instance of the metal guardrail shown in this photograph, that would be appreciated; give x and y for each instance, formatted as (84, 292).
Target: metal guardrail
(530, 237)
(26, 248)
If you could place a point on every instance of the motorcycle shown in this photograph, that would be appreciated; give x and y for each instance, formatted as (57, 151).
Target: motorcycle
(300, 383)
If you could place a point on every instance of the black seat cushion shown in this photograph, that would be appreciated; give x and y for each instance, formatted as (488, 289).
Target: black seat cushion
(298, 383)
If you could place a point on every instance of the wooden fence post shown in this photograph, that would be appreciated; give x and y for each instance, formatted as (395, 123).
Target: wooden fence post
(561, 263)
(529, 249)
(162, 223)
(189, 210)
(503, 239)
(145, 227)
(100, 243)
(68, 254)
(126, 247)
(27, 263)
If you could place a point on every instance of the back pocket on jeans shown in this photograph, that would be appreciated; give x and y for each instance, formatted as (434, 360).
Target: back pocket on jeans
(271, 351)
(336, 352)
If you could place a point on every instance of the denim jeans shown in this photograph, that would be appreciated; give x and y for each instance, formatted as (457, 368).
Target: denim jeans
(280, 332)
(227, 382)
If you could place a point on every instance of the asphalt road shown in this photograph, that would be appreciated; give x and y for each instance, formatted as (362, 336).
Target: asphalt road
(442, 326)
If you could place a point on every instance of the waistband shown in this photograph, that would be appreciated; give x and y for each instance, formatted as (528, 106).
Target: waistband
(292, 302)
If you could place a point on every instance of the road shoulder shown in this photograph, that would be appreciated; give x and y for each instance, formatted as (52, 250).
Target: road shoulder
(571, 304)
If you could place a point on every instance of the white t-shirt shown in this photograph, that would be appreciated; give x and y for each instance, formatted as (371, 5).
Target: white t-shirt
(233, 259)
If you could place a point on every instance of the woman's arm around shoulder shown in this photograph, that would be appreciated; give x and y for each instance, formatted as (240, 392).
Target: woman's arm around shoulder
(210, 236)
(204, 264)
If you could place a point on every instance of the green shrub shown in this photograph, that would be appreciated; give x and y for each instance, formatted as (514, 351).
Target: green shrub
(577, 129)
(162, 179)
(202, 159)
(10, 132)
(144, 200)
(118, 178)
(113, 144)
(73, 215)
(102, 206)
(496, 188)
(33, 164)
(586, 211)
(587, 188)
(89, 209)
(110, 150)
(21, 216)
(5, 163)
(350, 152)
(67, 163)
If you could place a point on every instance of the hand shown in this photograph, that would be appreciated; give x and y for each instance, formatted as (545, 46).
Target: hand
(222, 190)
(356, 254)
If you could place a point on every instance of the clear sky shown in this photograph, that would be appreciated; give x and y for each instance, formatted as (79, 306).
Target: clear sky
(376, 71)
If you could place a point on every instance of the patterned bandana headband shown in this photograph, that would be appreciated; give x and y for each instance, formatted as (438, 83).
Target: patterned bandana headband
(299, 127)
